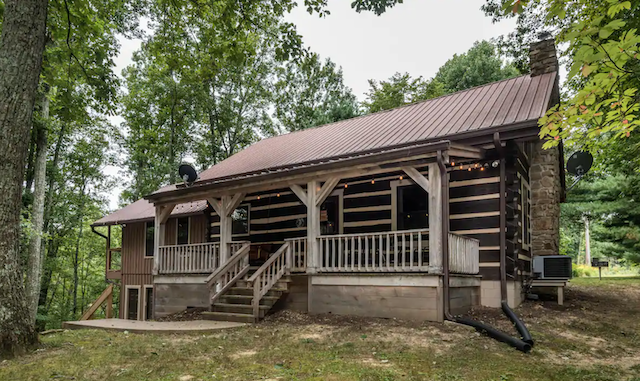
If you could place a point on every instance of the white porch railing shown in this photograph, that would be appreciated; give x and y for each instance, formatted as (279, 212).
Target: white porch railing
(269, 274)
(398, 251)
(464, 257)
(298, 254)
(197, 258)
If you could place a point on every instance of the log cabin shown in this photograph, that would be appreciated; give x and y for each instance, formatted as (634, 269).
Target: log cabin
(411, 213)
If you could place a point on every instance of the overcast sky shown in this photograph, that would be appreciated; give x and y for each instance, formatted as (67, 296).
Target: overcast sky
(415, 37)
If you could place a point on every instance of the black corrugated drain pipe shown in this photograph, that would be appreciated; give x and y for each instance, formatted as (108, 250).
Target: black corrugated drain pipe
(480, 327)
(522, 330)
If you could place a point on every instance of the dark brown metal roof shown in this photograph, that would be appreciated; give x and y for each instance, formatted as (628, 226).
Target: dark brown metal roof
(143, 210)
(502, 103)
(506, 103)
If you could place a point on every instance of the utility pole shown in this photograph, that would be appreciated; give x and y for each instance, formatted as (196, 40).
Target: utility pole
(587, 242)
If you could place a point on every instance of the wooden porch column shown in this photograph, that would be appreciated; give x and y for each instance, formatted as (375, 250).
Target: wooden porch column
(435, 219)
(224, 207)
(313, 199)
(162, 215)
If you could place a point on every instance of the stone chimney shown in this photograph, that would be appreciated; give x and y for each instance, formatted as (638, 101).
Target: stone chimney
(543, 57)
(546, 168)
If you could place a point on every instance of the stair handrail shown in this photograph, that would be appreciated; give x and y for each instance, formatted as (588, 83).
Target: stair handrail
(226, 276)
(268, 275)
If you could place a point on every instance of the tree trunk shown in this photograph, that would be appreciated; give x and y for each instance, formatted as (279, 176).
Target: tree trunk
(75, 259)
(34, 259)
(21, 49)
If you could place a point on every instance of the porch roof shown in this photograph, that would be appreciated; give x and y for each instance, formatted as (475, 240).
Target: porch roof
(505, 105)
(143, 210)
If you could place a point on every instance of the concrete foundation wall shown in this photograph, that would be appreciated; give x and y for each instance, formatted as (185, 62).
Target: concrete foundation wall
(490, 293)
(407, 297)
(175, 294)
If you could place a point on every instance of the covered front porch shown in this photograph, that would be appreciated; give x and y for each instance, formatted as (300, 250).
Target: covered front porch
(228, 265)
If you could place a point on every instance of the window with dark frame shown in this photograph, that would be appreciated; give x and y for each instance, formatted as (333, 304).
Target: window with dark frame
(149, 239)
(525, 210)
(412, 208)
(240, 220)
(183, 231)
(133, 297)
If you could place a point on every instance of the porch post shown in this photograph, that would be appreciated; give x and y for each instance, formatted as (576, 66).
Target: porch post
(226, 224)
(313, 227)
(224, 208)
(435, 218)
(162, 215)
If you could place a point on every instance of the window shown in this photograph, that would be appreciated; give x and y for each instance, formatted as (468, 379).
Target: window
(148, 310)
(329, 216)
(133, 300)
(525, 211)
(413, 208)
(149, 239)
(240, 220)
(183, 231)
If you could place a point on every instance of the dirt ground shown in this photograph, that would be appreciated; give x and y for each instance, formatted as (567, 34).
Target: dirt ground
(594, 336)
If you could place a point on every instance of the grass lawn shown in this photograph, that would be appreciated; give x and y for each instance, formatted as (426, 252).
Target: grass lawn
(594, 336)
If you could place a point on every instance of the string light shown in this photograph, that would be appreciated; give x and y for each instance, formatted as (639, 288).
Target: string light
(373, 181)
(346, 185)
(400, 177)
(461, 167)
(278, 195)
(258, 197)
(453, 164)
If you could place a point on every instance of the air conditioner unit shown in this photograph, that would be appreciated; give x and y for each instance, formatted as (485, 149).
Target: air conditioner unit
(552, 267)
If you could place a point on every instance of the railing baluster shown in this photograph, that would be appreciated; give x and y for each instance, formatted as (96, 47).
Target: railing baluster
(411, 252)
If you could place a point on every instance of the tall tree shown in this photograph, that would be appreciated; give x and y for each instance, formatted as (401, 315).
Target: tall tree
(602, 55)
(309, 93)
(399, 90)
(21, 47)
(34, 255)
(478, 66)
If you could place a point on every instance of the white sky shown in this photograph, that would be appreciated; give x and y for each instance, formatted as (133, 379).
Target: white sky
(416, 37)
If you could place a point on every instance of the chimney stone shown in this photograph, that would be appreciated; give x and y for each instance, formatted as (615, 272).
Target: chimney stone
(543, 57)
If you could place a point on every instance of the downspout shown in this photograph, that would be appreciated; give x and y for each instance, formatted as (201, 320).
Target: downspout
(93, 229)
(522, 329)
(480, 327)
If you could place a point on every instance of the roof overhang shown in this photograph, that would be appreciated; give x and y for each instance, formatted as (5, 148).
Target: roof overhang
(347, 166)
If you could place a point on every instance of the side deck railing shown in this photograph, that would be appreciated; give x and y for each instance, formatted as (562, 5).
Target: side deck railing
(464, 254)
(196, 258)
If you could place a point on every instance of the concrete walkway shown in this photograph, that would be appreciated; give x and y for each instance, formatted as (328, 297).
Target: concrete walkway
(136, 326)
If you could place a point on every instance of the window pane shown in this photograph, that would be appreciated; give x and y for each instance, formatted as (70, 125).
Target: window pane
(149, 239)
(183, 231)
(240, 220)
(413, 208)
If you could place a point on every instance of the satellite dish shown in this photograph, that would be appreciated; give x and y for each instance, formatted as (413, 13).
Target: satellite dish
(188, 173)
(579, 163)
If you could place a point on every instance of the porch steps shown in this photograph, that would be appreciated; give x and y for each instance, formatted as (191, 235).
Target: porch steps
(236, 304)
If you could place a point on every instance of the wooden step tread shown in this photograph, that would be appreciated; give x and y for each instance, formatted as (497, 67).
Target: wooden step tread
(251, 288)
(249, 297)
(245, 306)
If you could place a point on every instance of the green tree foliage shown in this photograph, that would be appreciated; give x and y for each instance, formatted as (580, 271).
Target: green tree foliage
(609, 204)
(400, 89)
(601, 102)
(309, 93)
(478, 66)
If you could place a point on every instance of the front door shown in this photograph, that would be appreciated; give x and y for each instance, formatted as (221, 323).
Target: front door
(133, 298)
